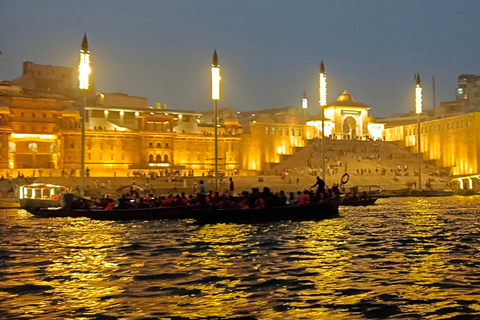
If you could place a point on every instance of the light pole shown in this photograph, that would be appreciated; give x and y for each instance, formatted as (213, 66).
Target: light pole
(83, 78)
(322, 90)
(215, 97)
(418, 111)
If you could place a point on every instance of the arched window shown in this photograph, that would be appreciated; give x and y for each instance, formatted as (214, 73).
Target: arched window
(286, 131)
(53, 148)
(158, 158)
(150, 145)
(12, 147)
(293, 132)
(299, 132)
(150, 158)
(165, 158)
(159, 145)
(33, 147)
(273, 130)
(266, 130)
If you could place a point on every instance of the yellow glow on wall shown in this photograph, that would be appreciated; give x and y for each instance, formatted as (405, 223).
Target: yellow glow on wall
(418, 99)
(329, 126)
(159, 164)
(216, 83)
(323, 89)
(29, 136)
(375, 130)
(84, 70)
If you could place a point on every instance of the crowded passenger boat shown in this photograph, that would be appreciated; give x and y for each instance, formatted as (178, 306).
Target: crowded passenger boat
(258, 203)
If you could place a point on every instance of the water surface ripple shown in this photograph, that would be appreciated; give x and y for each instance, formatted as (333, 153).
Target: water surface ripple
(404, 258)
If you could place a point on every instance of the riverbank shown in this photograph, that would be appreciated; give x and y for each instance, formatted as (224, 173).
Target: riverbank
(161, 186)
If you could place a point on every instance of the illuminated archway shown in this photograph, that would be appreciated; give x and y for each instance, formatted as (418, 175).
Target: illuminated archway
(349, 128)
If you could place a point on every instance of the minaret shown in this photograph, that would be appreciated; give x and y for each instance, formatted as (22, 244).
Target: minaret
(304, 101)
(85, 43)
(322, 85)
(418, 94)
(322, 88)
(84, 69)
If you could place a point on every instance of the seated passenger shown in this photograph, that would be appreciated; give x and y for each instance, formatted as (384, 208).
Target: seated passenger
(306, 197)
(259, 203)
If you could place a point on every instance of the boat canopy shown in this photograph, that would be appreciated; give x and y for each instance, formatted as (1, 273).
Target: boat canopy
(41, 191)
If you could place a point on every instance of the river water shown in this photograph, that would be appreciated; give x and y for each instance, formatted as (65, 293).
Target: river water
(404, 258)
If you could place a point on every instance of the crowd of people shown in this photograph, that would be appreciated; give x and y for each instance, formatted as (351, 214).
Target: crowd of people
(226, 200)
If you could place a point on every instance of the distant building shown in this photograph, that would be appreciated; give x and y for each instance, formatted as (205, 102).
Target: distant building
(41, 78)
(469, 91)
(449, 109)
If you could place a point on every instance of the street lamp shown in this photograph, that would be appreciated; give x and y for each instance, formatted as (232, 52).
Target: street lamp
(83, 84)
(418, 111)
(215, 97)
(322, 91)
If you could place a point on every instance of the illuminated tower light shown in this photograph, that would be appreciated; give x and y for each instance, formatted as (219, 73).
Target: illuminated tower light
(322, 85)
(304, 101)
(418, 96)
(84, 66)
(215, 78)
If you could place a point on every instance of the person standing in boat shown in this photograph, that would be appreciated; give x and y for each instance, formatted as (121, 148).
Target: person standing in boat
(203, 188)
(321, 185)
(231, 188)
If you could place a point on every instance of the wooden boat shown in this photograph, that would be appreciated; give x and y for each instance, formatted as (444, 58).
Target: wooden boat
(353, 202)
(116, 214)
(314, 211)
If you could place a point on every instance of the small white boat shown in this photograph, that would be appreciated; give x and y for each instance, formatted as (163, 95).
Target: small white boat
(41, 195)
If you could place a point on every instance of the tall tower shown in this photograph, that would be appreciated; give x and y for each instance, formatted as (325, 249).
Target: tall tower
(84, 66)
(304, 101)
(322, 81)
(418, 94)
(322, 91)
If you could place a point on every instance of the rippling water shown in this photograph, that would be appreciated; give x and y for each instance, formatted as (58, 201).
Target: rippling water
(404, 258)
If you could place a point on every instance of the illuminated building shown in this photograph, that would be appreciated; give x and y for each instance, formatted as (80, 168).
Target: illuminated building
(348, 119)
(122, 133)
(451, 143)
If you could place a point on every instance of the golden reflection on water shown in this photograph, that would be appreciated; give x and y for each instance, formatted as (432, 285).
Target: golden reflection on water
(217, 260)
(290, 270)
(78, 274)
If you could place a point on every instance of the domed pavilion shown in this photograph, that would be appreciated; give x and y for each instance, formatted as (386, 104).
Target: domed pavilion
(348, 119)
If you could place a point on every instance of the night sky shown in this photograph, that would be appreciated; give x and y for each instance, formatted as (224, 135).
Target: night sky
(269, 51)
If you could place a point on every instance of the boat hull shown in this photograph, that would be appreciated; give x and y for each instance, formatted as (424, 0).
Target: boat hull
(358, 202)
(39, 203)
(116, 214)
(315, 211)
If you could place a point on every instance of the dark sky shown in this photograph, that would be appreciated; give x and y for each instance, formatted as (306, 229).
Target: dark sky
(268, 50)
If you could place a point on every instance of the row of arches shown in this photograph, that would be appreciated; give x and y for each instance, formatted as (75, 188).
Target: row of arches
(158, 158)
